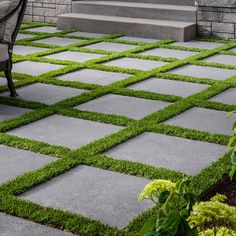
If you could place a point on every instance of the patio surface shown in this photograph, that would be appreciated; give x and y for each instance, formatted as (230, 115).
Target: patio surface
(99, 117)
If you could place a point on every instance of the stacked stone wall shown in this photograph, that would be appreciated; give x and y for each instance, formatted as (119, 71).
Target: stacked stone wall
(47, 10)
(215, 18)
(216, 21)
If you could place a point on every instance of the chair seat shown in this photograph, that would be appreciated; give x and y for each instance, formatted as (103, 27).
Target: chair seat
(4, 52)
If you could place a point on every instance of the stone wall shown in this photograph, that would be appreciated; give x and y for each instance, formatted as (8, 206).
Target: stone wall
(47, 10)
(217, 18)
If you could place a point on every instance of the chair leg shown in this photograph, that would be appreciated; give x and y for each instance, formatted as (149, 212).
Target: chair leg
(10, 83)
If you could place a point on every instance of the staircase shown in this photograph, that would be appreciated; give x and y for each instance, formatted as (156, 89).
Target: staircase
(160, 19)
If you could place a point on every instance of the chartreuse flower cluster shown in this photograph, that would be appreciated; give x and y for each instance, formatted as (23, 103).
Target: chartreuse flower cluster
(91, 154)
(222, 231)
(153, 190)
(213, 217)
(185, 215)
(175, 202)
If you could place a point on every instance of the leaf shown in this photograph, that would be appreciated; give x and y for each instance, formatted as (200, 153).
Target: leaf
(172, 222)
(234, 126)
(160, 220)
(183, 185)
(163, 196)
(231, 142)
(191, 199)
(184, 213)
(184, 228)
(177, 225)
(191, 232)
(152, 234)
(232, 172)
(233, 158)
(148, 227)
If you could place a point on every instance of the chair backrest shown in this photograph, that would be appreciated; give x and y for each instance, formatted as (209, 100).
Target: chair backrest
(22, 6)
(11, 18)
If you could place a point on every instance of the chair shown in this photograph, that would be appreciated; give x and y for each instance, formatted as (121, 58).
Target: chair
(11, 16)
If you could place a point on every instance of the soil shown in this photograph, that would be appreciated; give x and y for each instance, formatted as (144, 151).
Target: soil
(224, 186)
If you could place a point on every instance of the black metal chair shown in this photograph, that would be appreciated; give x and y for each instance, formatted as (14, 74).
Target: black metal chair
(11, 16)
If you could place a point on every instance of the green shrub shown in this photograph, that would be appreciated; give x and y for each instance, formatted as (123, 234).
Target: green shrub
(175, 201)
(181, 214)
(213, 217)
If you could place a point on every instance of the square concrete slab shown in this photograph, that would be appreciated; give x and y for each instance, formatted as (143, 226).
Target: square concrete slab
(34, 68)
(137, 39)
(46, 93)
(99, 194)
(165, 52)
(132, 107)
(165, 86)
(58, 41)
(168, 152)
(228, 97)
(65, 131)
(232, 50)
(3, 81)
(9, 112)
(87, 34)
(223, 59)
(203, 119)
(15, 162)
(198, 44)
(74, 56)
(45, 29)
(93, 76)
(115, 47)
(204, 72)
(132, 63)
(24, 36)
(14, 226)
(26, 50)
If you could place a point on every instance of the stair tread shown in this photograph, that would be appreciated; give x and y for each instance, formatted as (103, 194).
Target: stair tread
(178, 24)
(141, 5)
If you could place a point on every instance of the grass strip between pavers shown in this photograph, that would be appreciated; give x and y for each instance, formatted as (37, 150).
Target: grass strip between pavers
(91, 154)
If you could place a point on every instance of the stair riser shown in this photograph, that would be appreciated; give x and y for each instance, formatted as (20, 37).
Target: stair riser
(172, 2)
(135, 12)
(130, 29)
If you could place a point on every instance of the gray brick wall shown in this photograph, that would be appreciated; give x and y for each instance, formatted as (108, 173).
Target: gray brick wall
(217, 18)
(47, 10)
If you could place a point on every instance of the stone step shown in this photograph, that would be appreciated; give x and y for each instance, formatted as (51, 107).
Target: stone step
(171, 2)
(137, 10)
(138, 27)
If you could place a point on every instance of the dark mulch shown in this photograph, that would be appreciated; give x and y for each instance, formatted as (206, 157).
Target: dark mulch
(225, 187)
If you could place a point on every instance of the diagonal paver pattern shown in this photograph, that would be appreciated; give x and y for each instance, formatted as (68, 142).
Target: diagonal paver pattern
(115, 119)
